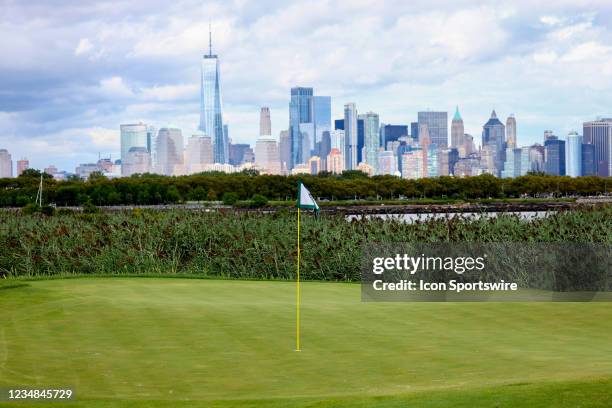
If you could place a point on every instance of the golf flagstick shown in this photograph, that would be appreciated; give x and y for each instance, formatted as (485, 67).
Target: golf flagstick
(297, 288)
(306, 201)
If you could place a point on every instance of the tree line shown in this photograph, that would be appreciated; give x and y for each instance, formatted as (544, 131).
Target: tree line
(151, 189)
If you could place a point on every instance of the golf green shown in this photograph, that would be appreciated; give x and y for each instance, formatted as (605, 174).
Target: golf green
(151, 342)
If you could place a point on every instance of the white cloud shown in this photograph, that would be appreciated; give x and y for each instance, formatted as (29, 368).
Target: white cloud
(84, 47)
(114, 87)
(171, 92)
(551, 20)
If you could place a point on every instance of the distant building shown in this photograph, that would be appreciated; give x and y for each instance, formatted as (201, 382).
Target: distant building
(138, 161)
(211, 108)
(432, 161)
(437, 124)
(446, 161)
(467, 167)
(386, 162)
(284, 147)
(239, 154)
(413, 163)
(493, 138)
(599, 134)
(84, 170)
(371, 139)
(198, 153)
(300, 113)
(573, 155)
(589, 163)
(536, 158)
(366, 168)
(549, 135)
(457, 133)
(554, 157)
(350, 136)
(134, 135)
(392, 133)
(511, 131)
(265, 124)
(22, 165)
(321, 117)
(468, 146)
(335, 161)
(414, 130)
(314, 165)
(302, 168)
(51, 170)
(512, 165)
(267, 156)
(169, 152)
(6, 164)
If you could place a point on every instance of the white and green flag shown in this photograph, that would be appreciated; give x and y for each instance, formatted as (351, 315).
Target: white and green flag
(305, 199)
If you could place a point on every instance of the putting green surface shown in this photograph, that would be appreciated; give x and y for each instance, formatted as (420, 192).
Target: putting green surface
(185, 342)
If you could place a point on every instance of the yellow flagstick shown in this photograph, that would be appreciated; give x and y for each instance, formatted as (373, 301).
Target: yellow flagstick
(297, 289)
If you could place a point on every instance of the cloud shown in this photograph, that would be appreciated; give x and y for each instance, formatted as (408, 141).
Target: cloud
(551, 20)
(84, 47)
(114, 87)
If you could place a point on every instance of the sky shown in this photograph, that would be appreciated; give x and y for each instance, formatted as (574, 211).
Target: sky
(71, 72)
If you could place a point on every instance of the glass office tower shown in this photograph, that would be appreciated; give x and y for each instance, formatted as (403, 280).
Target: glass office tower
(211, 115)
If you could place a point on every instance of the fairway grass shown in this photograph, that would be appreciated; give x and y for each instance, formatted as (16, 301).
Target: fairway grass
(144, 342)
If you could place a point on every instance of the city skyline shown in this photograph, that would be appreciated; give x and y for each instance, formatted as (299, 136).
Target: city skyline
(65, 92)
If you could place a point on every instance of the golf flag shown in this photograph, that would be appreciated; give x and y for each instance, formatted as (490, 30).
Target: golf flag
(304, 201)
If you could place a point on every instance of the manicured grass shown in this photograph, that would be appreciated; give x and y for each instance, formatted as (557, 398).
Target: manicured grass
(140, 342)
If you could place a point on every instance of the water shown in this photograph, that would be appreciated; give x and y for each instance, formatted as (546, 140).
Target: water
(412, 218)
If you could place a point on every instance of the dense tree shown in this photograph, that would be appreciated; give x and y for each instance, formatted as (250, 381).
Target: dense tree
(154, 189)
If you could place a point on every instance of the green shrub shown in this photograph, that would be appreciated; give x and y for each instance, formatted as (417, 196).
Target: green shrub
(258, 201)
(47, 210)
(90, 208)
(230, 198)
(30, 208)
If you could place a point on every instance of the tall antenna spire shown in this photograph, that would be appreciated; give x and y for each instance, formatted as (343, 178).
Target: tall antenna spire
(209, 39)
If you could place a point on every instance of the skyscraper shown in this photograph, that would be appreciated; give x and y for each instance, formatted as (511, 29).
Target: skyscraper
(198, 153)
(169, 149)
(573, 154)
(493, 137)
(238, 153)
(512, 165)
(321, 116)
(22, 165)
(335, 161)
(299, 113)
(350, 136)
(265, 124)
(138, 161)
(437, 124)
(554, 157)
(599, 134)
(6, 164)
(414, 130)
(133, 135)
(391, 133)
(211, 115)
(511, 131)
(284, 150)
(457, 132)
(267, 156)
(371, 136)
(588, 160)
(386, 162)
